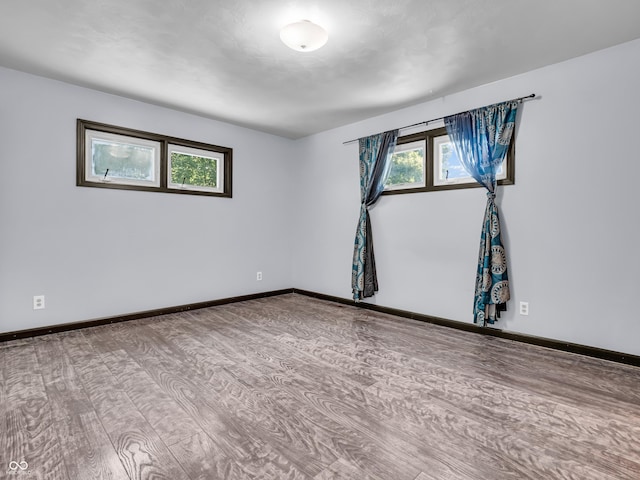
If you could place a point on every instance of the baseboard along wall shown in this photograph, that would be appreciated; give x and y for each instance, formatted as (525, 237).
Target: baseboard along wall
(469, 327)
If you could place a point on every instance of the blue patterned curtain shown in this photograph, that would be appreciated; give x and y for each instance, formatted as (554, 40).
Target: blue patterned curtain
(375, 152)
(481, 140)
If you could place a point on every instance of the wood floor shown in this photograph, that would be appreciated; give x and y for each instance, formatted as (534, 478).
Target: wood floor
(291, 387)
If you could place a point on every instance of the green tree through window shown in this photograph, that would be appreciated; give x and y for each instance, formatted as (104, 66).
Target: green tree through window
(407, 165)
(194, 170)
(407, 168)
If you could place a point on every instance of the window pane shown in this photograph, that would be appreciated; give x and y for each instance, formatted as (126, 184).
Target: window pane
(446, 165)
(122, 160)
(193, 170)
(112, 158)
(407, 166)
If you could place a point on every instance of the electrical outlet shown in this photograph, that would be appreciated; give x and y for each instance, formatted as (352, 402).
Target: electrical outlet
(524, 308)
(259, 276)
(38, 302)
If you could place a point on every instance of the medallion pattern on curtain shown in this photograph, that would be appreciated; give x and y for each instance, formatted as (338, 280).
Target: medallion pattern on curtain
(375, 153)
(481, 139)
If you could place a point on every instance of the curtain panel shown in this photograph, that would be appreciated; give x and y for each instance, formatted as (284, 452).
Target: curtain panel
(481, 139)
(374, 158)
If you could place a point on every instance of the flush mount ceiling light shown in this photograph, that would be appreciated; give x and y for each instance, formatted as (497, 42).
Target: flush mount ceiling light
(304, 36)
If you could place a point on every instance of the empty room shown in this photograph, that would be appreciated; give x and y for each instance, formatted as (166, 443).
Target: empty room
(319, 240)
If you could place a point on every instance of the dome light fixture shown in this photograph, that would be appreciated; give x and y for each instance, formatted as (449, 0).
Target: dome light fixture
(304, 36)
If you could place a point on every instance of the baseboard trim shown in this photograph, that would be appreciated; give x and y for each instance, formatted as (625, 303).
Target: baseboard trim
(64, 327)
(494, 332)
(469, 327)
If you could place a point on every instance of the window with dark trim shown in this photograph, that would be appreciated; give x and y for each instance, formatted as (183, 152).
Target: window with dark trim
(116, 157)
(426, 162)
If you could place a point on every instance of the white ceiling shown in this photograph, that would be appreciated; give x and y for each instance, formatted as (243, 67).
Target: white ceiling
(224, 59)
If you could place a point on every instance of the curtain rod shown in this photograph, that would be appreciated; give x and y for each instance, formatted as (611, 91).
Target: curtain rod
(427, 122)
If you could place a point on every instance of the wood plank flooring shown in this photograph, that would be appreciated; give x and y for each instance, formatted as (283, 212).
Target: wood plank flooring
(292, 387)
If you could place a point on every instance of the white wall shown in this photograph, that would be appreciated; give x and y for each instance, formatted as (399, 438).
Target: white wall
(100, 252)
(572, 220)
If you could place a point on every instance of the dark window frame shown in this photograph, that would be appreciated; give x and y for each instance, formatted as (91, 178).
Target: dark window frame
(428, 137)
(81, 174)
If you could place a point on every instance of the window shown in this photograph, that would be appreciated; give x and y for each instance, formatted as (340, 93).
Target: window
(195, 169)
(427, 161)
(407, 164)
(122, 159)
(117, 157)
